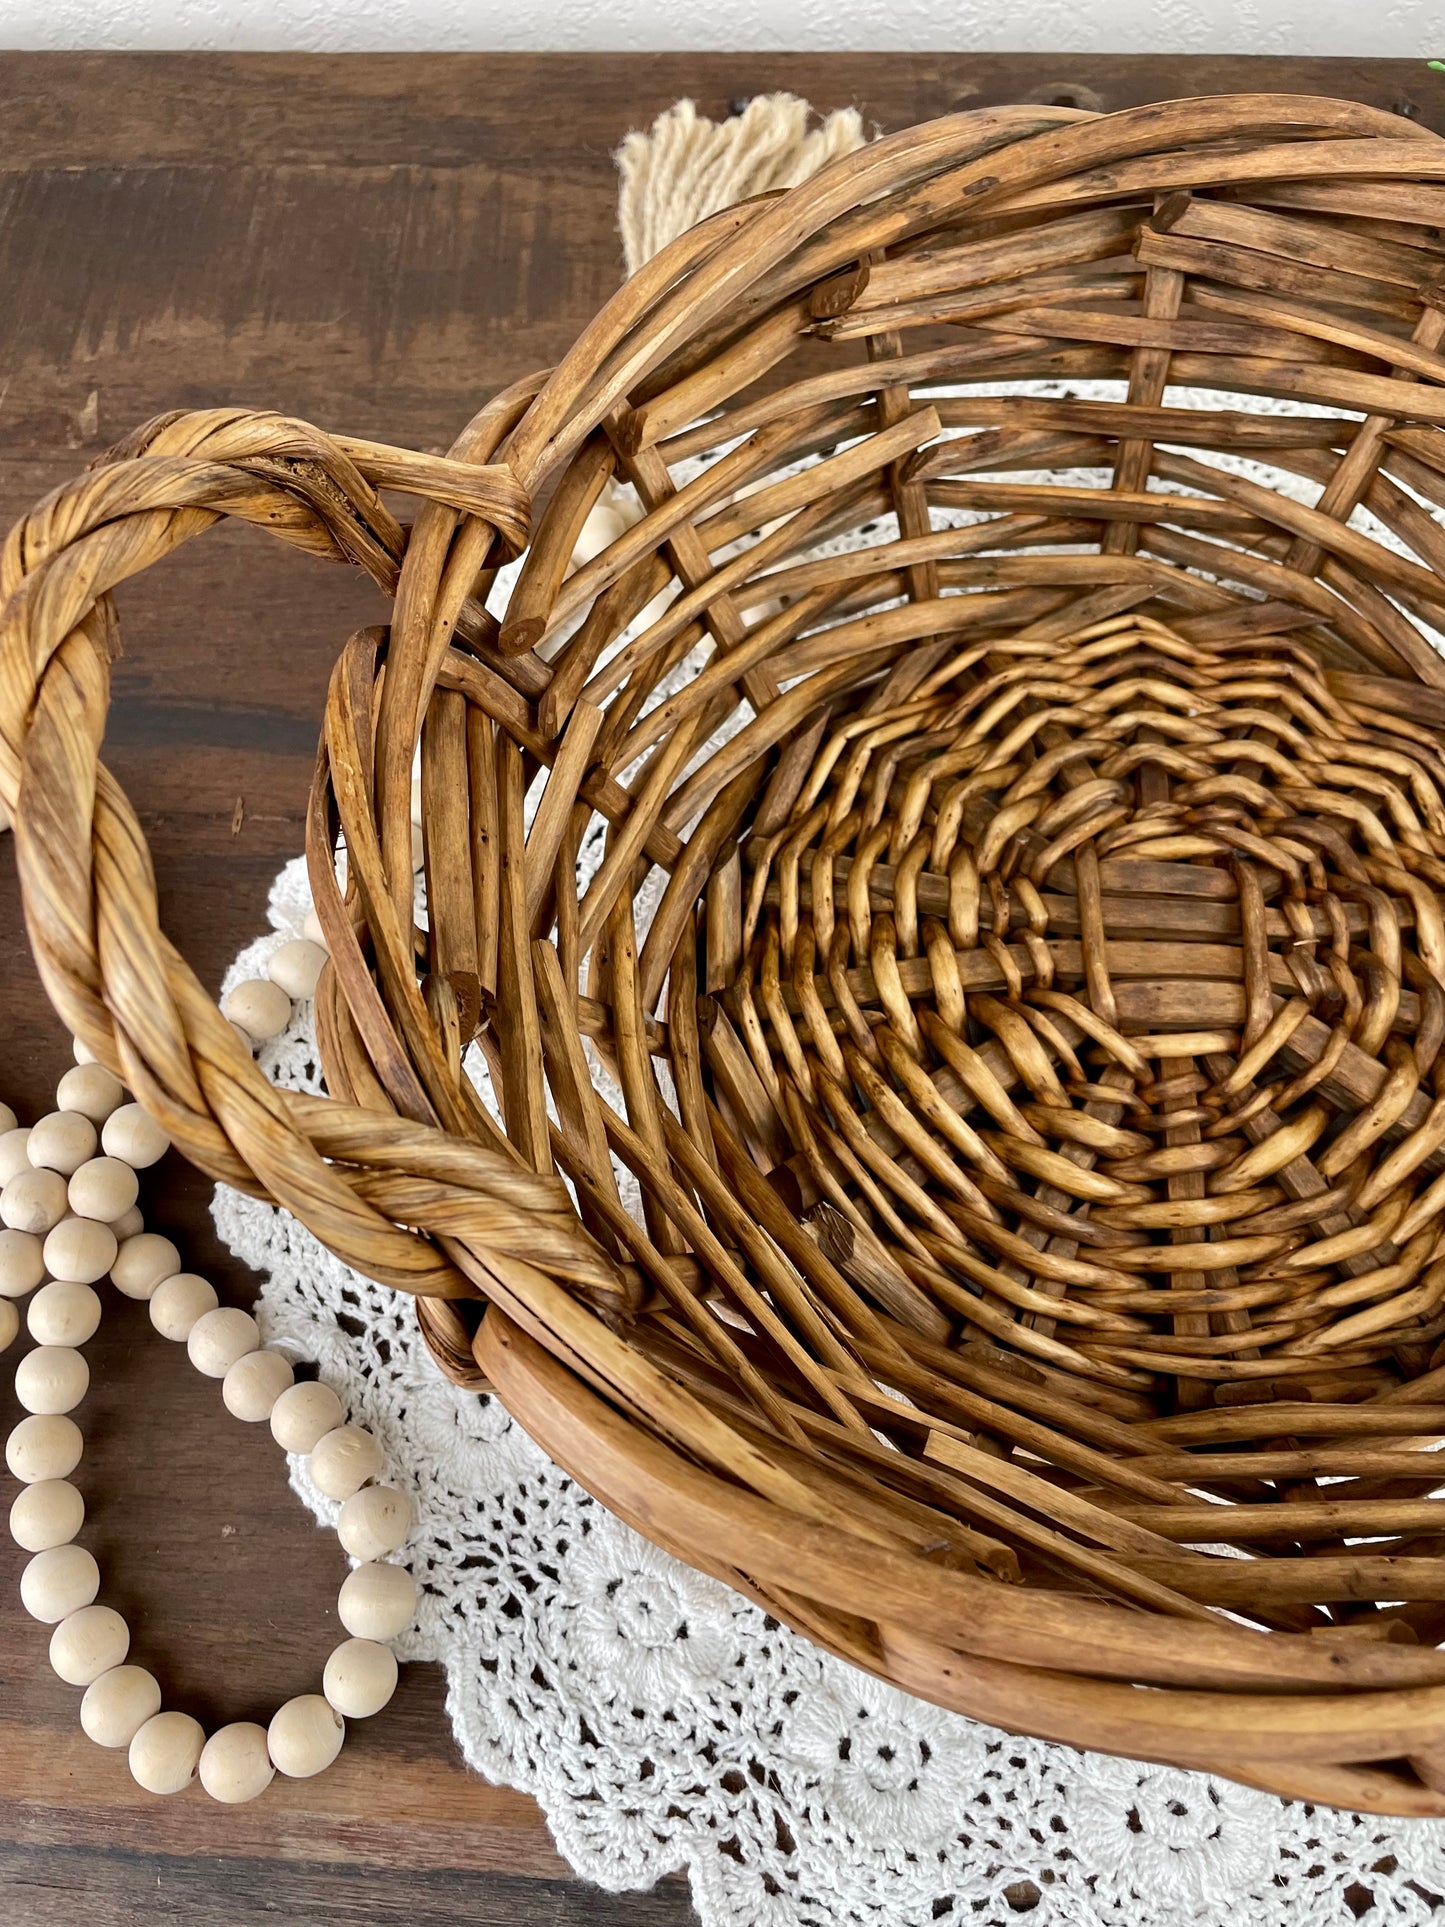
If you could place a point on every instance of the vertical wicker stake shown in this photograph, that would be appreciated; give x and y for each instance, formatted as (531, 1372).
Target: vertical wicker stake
(1017, 949)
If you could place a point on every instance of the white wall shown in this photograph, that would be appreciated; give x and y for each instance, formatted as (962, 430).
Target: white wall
(1377, 27)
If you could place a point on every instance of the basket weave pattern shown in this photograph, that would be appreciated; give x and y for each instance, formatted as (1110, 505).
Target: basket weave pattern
(1032, 1070)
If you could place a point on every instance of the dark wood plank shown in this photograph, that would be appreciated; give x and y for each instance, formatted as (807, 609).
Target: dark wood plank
(374, 243)
(126, 1887)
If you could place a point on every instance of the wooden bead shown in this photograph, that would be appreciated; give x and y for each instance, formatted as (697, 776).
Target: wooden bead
(33, 1201)
(360, 1678)
(104, 1189)
(44, 1447)
(262, 1009)
(57, 1582)
(88, 1643)
(81, 1051)
(142, 1263)
(377, 1601)
(312, 931)
(78, 1251)
(418, 846)
(22, 1263)
(61, 1141)
(375, 1521)
(235, 1765)
(64, 1314)
(128, 1224)
(304, 1414)
(219, 1338)
(244, 1038)
(254, 1383)
(602, 528)
(343, 1461)
(52, 1378)
(91, 1090)
(165, 1752)
(296, 966)
(118, 1704)
(178, 1301)
(305, 1736)
(132, 1135)
(9, 1323)
(8, 1120)
(14, 1154)
(45, 1515)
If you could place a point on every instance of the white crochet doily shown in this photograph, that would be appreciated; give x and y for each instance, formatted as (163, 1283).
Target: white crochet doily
(664, 1723)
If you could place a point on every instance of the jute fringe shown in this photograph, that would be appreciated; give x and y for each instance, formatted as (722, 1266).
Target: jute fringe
(688, 167)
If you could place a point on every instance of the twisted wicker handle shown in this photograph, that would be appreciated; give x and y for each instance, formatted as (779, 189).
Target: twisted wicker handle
(87, 882)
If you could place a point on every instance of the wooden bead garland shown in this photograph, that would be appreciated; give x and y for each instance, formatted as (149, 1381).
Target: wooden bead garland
(91, 1090)
(22, 1263)
(79, 1251)
(34, 1201)
(47, 1514)
(235, 1764)
(87, 1643)
(297, 966)
(143, 1262)
(52, 1378)
(377, 1601)
(305, 1736)
(360, 1678)
(343, 1461)
(132, 1135)
(62, 1142)
(72, 1214)
(60, 1581)
(178, 1301)
(14, 1151)
(217, 1340)
(303, 1416)
(63, 1313)
(128, 1224)
(44, 1448)
(104, 1189)
(253, 1384)
(375, 1521)
(118, 1704)
(260, 1008)
(166, 1751)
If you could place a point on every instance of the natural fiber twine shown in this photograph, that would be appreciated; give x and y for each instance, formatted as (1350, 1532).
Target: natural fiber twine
(1032, 1069)
(687, 166)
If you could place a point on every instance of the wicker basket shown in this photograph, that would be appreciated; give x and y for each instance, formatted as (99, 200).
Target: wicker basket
(1017, 945)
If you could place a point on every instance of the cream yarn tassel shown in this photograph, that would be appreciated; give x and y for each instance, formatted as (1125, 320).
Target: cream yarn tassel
(688, 166)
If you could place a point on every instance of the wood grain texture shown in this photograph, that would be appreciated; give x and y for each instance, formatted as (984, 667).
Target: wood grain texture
(373, 243)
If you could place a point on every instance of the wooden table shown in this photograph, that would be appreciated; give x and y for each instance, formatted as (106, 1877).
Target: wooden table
(374, 244)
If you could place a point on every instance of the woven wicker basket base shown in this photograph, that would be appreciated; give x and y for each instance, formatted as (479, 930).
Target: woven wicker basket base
(1030, 1060)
